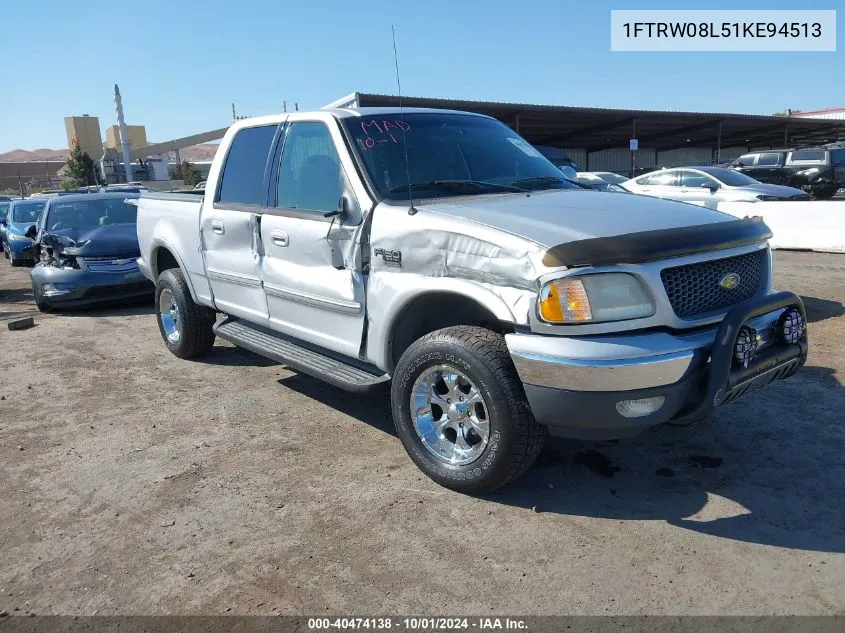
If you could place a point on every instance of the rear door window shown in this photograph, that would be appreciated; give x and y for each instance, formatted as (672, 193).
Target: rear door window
(665, 179)
(243, 173)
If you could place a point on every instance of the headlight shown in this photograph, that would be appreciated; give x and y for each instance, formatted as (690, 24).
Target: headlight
(594, 298)
(17, 238)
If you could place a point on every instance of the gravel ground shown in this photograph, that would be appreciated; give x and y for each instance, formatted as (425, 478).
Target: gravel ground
(137, 483)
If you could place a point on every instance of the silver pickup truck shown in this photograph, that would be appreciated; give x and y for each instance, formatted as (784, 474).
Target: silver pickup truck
(440, 253)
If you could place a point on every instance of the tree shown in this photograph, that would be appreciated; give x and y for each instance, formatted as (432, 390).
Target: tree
(80, 167)
(188, 173)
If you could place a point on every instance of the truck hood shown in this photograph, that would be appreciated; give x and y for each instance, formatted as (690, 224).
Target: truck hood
(102, 241)
(556, 217)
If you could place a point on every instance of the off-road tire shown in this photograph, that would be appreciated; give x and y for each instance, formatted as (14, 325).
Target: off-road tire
(515, 437)
(197, 335)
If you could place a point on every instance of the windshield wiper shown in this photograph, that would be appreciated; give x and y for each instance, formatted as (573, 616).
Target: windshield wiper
(458, 185)
(539, 180)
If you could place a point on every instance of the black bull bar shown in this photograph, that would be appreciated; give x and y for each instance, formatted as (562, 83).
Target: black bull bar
(725, 382)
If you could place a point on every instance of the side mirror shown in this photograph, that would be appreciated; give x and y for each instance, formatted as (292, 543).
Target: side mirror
(712, 186)
(31, 232)
(342, 209)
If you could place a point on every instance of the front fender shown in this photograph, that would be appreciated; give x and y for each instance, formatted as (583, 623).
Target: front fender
(389, 294)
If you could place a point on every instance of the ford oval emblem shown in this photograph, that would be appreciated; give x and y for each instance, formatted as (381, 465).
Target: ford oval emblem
(730, 281)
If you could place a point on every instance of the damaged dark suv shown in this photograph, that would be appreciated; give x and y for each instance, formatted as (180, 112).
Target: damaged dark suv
(87, 250)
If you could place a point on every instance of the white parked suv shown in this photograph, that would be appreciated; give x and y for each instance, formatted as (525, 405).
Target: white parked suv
(441, 254)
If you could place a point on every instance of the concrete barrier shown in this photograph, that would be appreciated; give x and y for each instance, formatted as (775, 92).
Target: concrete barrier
(814, 225)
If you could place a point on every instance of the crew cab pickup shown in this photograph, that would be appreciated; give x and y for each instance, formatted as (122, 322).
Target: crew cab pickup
(441, 254)
(819, 171)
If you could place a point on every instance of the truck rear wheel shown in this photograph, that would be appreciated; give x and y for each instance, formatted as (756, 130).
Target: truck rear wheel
(185, 326)
(461, 412)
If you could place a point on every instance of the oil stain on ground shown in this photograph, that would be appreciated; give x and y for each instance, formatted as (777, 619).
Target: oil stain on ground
(598, 463)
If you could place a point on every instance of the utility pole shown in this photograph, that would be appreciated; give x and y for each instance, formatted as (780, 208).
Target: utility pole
(124, 135)
(284, 106)
(234, 116)
(20, 184)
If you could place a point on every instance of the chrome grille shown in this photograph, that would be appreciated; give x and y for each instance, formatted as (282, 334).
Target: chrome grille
(127, 263)
(695, 289)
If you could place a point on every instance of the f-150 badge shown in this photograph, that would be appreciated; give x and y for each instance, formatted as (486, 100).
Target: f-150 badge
(390, 258)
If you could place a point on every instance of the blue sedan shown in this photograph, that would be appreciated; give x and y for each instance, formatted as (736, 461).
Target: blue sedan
(21, 215)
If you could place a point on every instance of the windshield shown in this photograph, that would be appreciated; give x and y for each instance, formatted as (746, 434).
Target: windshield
(27, 211)
(448, 148)
(64, 214)
(730, 177)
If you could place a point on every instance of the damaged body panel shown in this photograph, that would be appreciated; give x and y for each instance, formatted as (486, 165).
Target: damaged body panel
(441, 252)
(87, 250)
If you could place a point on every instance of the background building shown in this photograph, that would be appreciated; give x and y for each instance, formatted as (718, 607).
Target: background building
(86, 131)
(137, 136)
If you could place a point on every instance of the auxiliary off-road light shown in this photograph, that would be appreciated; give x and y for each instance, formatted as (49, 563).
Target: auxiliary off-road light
(639, 408)
(746, 345)
(791, 326)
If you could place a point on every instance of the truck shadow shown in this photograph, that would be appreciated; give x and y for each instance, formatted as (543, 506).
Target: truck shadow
(372, 408)
(821, 309)
(767, 470)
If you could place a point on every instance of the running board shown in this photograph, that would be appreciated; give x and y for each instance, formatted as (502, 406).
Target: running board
(339, 373)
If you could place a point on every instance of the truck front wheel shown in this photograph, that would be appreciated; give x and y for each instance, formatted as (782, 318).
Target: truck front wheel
(461, 412)
(185, 326)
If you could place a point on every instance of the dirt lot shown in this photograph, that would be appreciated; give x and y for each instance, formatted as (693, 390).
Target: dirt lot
(137, 483)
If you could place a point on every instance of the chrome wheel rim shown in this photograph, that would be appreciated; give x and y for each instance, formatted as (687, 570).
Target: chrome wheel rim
(168, 314)
(450, 415)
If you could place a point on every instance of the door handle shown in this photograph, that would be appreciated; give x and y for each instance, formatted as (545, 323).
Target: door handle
(279, 238)
(217, 227)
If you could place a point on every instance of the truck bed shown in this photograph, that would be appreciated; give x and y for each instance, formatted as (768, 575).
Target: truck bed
(172, 221)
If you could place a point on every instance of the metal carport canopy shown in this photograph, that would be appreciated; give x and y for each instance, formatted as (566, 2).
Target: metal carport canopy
(596, 129)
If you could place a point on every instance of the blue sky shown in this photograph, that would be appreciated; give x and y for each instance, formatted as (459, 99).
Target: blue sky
(180, 64)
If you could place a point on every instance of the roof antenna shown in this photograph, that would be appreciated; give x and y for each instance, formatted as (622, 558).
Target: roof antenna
(411, 209)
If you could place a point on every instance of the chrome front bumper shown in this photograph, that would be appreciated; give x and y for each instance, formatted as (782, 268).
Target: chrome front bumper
(574, 383)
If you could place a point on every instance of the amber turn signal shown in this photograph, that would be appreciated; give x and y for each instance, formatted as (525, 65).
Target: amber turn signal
(564, 301)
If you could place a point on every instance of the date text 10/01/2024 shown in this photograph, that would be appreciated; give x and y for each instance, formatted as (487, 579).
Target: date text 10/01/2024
(417, 624)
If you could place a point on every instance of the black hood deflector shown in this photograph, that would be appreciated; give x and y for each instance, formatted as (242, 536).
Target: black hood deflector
(646, 246)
